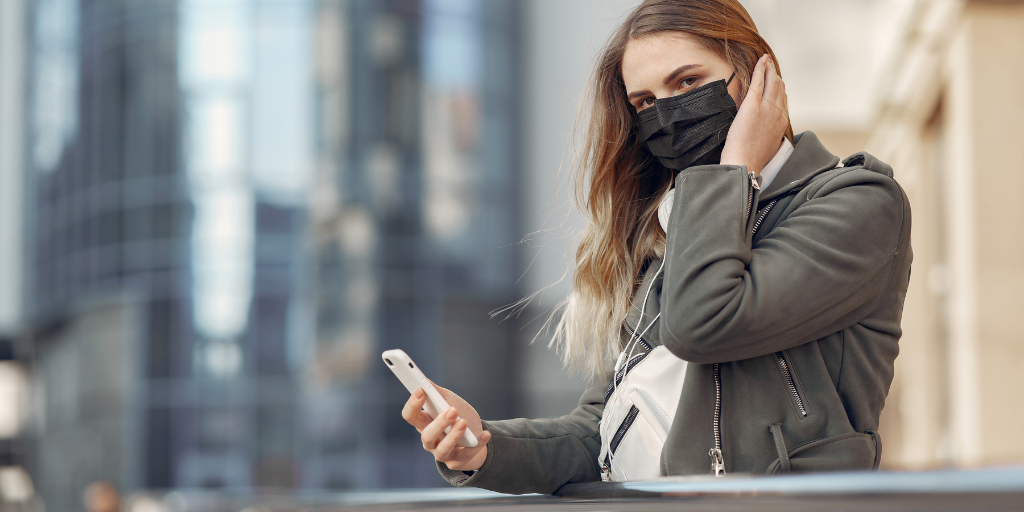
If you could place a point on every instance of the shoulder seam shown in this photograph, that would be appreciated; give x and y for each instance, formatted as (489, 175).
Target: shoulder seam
(845, 170)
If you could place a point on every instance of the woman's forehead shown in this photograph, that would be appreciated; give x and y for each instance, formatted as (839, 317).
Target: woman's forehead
(648, 59)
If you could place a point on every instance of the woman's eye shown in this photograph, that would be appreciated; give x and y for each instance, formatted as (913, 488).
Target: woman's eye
(687, 82)
(646, 102)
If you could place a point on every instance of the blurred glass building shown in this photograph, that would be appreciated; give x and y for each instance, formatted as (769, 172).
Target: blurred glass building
(415, 215)
(236, 206)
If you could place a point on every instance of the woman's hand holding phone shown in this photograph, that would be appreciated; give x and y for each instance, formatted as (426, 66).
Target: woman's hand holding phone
(761, 122)
(443, 446)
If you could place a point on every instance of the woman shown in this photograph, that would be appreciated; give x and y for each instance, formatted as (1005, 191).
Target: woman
(763, 308)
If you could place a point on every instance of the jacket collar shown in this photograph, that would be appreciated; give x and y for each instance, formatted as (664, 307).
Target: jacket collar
(808, 159)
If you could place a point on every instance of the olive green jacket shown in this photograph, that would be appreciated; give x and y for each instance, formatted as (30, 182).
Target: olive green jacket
(787, 304)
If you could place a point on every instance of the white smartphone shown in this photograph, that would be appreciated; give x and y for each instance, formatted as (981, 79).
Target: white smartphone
(411, 376)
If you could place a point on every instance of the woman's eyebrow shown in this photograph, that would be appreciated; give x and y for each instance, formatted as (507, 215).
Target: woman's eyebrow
(671, 76)
(680, 70)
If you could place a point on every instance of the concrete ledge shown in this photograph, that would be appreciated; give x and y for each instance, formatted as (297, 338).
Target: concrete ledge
(947, 490)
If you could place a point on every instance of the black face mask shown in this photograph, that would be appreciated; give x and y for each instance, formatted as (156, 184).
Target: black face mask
(689, 129)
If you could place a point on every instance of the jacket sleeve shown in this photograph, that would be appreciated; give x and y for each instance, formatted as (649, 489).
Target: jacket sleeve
(539, 456)
(820, 269)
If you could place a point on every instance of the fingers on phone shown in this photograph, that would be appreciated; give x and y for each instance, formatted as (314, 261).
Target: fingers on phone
(433, 434)
(447, 446)
(413, 405)
(483, 438)
(413, 413)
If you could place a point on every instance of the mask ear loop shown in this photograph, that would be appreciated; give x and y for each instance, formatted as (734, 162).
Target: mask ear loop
(729, 81)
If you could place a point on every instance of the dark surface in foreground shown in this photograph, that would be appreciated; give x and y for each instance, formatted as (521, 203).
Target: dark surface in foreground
(989, 489)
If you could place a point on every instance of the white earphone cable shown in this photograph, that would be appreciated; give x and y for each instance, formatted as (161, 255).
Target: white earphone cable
(634, 339)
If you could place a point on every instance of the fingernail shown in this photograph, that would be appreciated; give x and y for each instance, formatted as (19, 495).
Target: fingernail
(451, 414)
(418, 393)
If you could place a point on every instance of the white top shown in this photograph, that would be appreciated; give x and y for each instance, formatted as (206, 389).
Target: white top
(771, 169)
(640, 411)
(768, 173)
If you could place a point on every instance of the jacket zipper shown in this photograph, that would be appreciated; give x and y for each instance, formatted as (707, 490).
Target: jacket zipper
(621, 375)
(632, 332)
(764, 214)
(788, 375)
(717, 459)
(627, 422)
(753, 186)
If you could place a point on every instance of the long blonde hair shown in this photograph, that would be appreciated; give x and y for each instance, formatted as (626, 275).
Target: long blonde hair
(619, 182)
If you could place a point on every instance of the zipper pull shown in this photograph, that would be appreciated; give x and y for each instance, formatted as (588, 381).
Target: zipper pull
(717, 462)
(750, 195)
(606, 473)
(753, 180)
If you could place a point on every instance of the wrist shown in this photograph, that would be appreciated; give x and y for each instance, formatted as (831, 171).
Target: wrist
(740, 163)
(478, 461)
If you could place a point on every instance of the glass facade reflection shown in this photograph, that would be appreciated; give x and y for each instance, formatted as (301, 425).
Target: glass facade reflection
(416, 211)
(238, 205)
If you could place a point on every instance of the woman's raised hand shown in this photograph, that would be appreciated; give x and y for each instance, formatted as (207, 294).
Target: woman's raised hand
(442, 446)
(761, 121)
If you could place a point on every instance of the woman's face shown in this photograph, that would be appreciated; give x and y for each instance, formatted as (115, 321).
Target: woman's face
(669, 63)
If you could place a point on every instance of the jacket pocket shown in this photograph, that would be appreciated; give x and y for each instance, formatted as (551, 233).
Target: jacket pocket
(844, 452)
(789, 380)
(635, 449)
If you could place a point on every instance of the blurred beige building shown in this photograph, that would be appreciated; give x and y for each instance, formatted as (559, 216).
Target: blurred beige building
(951, 122)
(936, 89)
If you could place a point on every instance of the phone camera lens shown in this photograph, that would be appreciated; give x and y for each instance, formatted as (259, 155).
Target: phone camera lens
(388, 361)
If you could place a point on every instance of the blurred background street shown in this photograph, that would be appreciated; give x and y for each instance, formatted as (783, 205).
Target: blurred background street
(216, 214)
